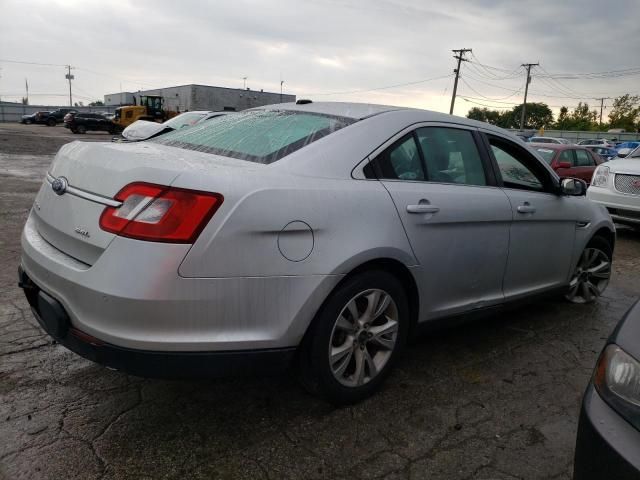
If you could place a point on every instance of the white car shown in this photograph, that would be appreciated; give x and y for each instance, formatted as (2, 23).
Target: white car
(144, 129)
(616, 185)
(559, 141)
(603, 142)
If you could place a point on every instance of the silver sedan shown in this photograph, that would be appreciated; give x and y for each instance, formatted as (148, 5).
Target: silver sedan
(322, 234)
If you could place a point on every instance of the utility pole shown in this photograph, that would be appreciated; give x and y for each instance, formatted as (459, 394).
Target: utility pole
(244, 79)
(281, 83)
(526, 90)
(461, 59)
(602, 106)
(69, 77)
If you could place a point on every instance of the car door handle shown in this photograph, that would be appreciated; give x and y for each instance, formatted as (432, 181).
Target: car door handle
(526, 208)
(422, 208)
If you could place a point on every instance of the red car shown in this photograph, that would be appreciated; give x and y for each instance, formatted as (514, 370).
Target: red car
(569, 161)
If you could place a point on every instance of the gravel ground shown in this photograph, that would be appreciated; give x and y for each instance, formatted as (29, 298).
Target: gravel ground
(494, 399)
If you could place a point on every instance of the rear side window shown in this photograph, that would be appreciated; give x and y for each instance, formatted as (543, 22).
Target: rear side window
(583, 159)
(432, 154)
(261, 136)
(451, 156)
(401, 161)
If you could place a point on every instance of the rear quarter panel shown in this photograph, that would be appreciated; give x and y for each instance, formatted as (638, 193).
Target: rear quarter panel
(351, 222)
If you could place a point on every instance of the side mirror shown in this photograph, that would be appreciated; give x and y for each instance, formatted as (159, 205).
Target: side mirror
(564, 165)
(573, 187)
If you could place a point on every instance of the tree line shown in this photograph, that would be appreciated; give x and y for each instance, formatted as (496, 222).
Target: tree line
(624, 113)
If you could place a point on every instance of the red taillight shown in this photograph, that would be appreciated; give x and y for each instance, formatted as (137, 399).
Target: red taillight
(160, 214)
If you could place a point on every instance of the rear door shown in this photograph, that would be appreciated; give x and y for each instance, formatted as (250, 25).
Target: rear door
(456, 218)
(542, 233)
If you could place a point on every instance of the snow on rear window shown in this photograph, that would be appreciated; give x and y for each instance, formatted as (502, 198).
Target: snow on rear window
(261, 136)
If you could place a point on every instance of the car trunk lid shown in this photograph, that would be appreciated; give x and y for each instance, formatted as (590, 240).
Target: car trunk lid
(94, 173)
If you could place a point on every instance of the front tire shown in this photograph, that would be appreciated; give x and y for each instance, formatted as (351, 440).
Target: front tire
(51, 122)
(356, 337)
(592, 273)
(81, 129)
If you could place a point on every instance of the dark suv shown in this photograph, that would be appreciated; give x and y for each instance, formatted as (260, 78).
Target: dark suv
(56, 116)
(83, 122)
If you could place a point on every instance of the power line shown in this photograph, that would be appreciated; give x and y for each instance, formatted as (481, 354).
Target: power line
(2, 60)
(488, 98)
(512, 104)
(379, 88)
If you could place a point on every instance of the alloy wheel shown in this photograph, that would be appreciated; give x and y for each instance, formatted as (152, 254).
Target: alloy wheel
(364, 337)
(591, 276)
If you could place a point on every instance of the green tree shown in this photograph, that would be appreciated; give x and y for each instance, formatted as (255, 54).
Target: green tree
(97, 103)
(563, 119)
(584, 119)
(537, 115)
(625, 112)
(485, 115)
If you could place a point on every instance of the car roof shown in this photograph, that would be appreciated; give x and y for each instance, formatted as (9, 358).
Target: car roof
(360, 111)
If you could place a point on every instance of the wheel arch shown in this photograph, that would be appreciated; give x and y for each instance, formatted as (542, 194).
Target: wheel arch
(397, 269)
(607, 234)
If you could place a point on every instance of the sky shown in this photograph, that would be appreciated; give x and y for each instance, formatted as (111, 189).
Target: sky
(324, 49)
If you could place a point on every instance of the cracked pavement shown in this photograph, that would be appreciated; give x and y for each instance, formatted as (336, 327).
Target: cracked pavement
(494, 399)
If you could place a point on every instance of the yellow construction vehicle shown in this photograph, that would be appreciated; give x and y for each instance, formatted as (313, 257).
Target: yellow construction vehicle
(151, 108)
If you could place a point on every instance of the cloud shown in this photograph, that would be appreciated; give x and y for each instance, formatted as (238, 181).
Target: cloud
(319, 46)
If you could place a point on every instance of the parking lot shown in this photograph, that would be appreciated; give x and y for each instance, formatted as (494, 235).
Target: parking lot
(494, 399)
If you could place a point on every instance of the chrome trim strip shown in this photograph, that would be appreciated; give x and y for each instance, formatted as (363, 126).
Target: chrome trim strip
(92, 197)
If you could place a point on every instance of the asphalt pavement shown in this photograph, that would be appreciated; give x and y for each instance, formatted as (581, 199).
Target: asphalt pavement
(494, 399)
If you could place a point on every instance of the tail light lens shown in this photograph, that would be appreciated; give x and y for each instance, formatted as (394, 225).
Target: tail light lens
(157, 213)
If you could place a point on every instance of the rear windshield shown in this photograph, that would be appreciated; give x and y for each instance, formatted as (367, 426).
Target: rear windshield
(261, 136)
(546, 153)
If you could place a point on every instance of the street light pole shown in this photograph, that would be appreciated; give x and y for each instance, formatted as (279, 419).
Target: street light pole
(281, 83)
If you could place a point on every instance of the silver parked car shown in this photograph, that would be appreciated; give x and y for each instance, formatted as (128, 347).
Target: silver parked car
(320, 233)
(558, 141)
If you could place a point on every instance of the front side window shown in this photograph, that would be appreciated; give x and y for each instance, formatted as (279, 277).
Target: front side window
(547, 154)
(583, 159)
(518, 169)
(567, 156)
(451, 156)
(261, 136)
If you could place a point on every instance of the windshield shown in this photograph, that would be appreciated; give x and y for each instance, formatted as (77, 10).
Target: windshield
(184, 120)
(635, 153)
(261, 136)
(546, 154)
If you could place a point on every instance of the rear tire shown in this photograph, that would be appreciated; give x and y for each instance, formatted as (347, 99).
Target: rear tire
(51, 122)
(356, 338)
(592, 273)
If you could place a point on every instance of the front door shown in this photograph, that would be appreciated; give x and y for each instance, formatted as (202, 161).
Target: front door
(542, 234)
(456, 218)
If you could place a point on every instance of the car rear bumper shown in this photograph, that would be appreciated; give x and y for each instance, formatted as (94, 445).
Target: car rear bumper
(607, 446)
(133, 297)
(155, 364)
